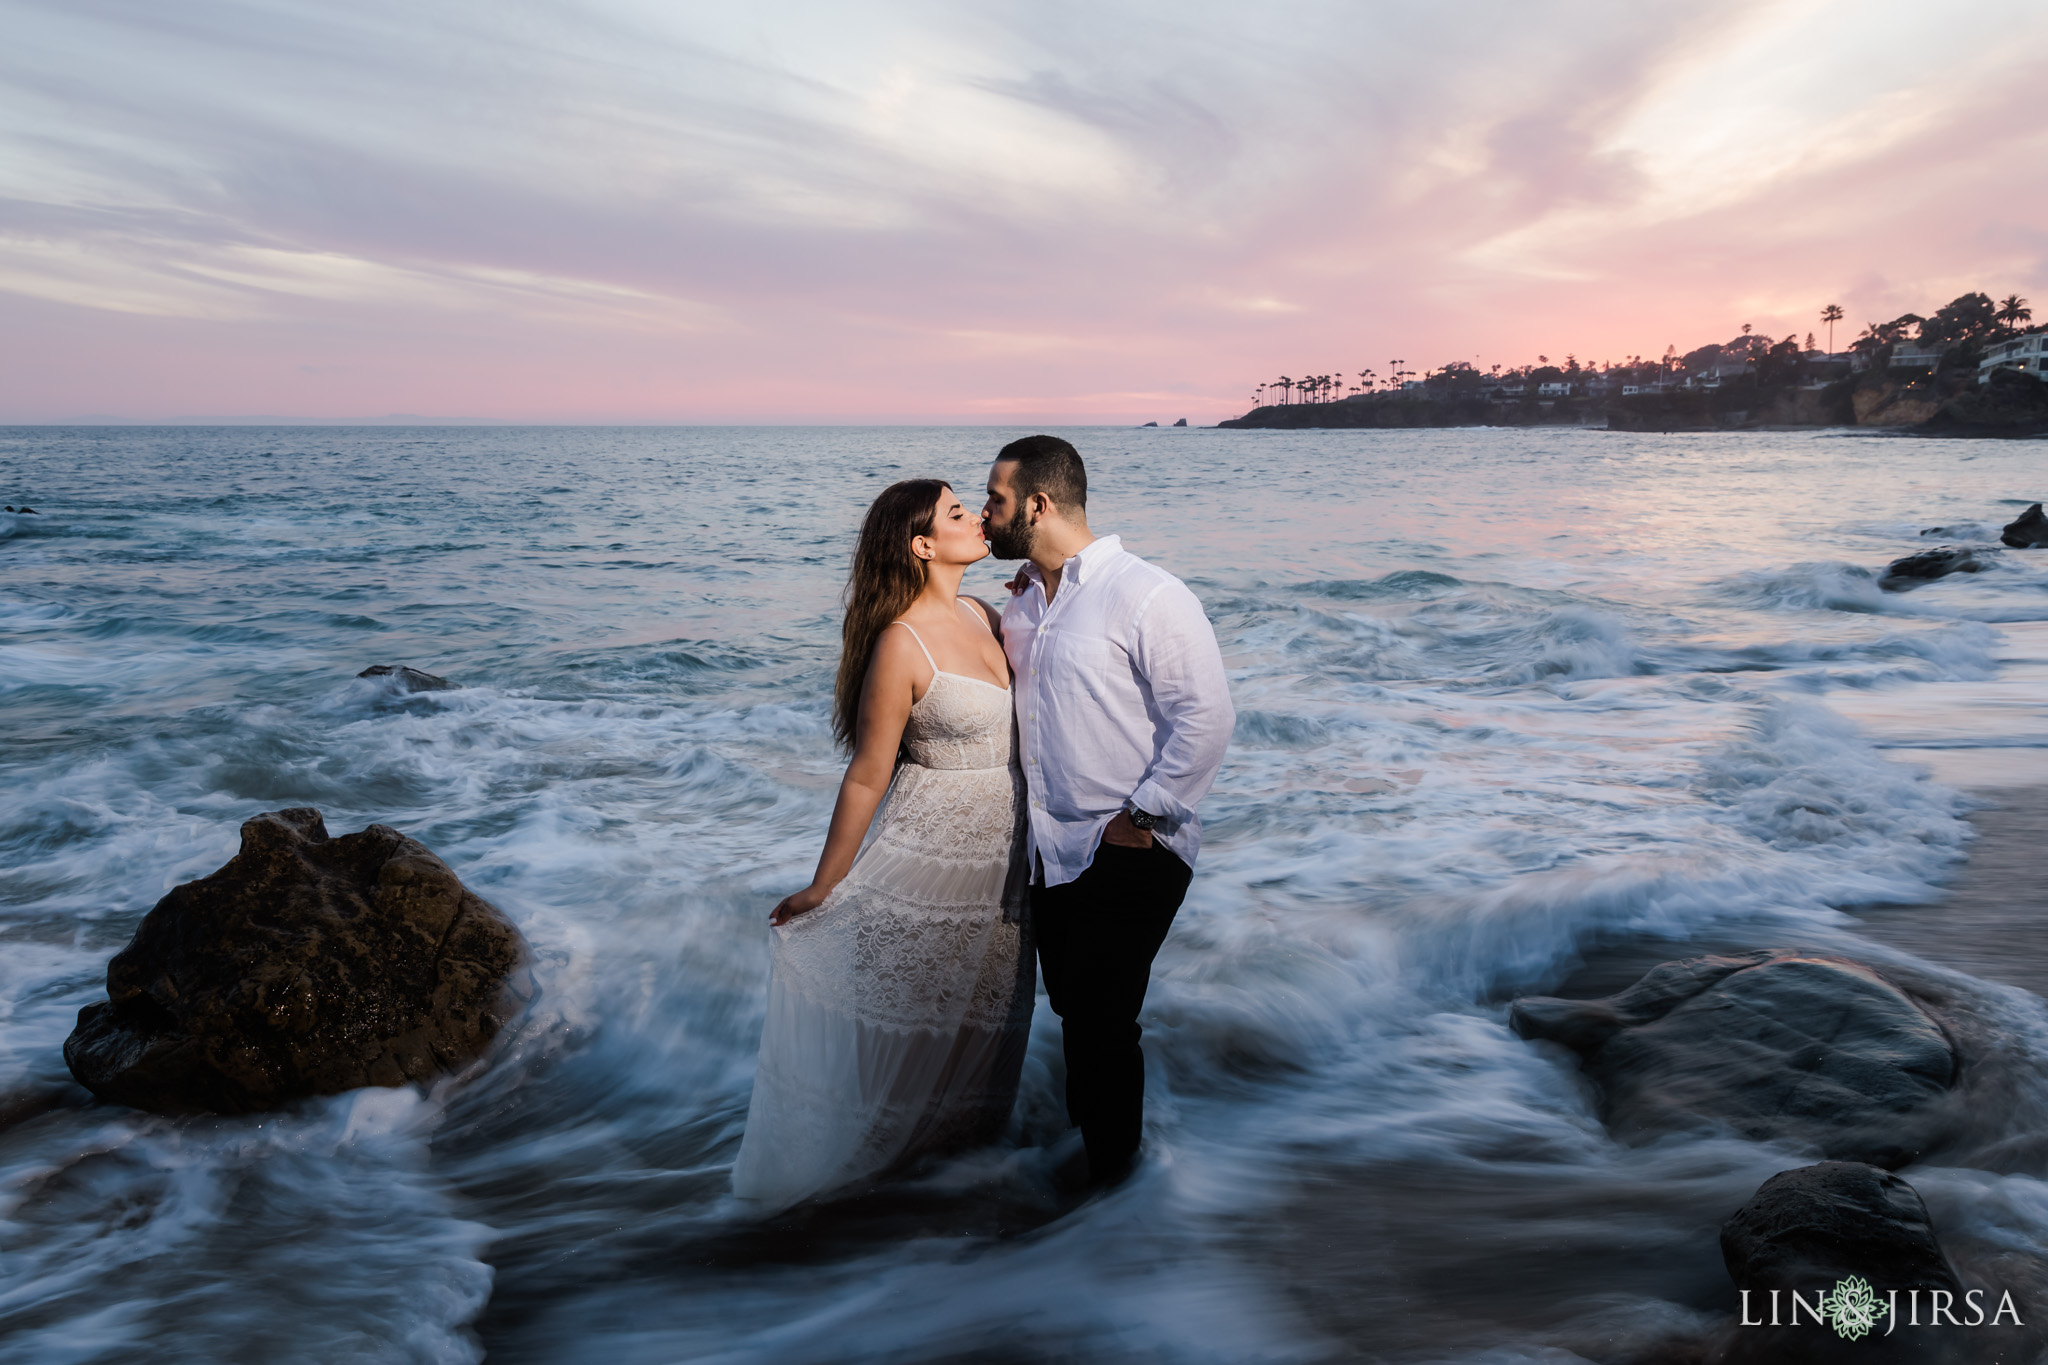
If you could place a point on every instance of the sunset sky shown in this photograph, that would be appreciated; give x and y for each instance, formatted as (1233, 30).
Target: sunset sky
(1031, 210)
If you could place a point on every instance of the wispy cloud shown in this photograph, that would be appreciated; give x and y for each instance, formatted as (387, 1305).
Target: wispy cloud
(628, 209)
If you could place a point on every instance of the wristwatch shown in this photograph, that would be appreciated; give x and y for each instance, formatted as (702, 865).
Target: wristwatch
(1143, 819)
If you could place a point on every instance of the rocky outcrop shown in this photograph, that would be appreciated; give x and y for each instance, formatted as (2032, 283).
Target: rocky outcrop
(1815, 1050)
(1888, 404)
(2028, 531)
(306, 965)
(1929, 565)
(407, 679)
(2007, 405)
(1810, 1230)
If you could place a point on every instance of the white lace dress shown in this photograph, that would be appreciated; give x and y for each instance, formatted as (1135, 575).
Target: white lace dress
(899, 1009)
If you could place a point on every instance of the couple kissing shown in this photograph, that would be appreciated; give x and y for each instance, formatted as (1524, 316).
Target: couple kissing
(1020, 800)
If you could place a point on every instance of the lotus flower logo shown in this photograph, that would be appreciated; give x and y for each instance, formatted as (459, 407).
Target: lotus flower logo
(1851, 1307)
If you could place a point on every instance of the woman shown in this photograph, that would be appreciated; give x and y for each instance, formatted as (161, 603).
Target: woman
(902, 985)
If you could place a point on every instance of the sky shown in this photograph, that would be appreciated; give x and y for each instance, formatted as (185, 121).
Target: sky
(1037, 211)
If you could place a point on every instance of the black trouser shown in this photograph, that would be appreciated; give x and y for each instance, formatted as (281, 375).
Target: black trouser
(1096, 938)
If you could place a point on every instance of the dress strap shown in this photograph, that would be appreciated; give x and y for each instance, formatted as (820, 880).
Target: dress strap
(920, 643)
(978, 614)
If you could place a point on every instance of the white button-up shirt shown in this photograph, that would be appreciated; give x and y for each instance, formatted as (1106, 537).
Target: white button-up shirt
(1120, 697)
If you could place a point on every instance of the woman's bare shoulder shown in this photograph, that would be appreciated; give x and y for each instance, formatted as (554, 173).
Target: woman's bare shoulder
(895, 648)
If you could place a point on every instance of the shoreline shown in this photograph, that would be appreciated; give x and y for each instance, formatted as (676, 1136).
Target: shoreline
(1986, 925)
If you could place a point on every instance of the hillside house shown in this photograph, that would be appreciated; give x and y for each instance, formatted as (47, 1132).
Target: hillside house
(2026, 354)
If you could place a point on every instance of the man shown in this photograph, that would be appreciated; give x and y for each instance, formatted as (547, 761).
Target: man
(1123, 713)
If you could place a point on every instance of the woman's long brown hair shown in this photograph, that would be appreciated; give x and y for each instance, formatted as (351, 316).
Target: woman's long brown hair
(885, 580)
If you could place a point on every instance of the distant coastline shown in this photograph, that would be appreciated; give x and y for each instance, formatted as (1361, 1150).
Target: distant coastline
(1971, 369)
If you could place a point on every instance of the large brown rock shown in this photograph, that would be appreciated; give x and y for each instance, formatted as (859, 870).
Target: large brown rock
(307, 965)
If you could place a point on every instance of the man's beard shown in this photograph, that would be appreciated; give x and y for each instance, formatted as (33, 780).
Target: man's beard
(1012, 541)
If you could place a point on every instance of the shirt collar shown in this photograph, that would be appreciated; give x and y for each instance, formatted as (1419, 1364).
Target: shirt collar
(1091, 557)
(1082, 562)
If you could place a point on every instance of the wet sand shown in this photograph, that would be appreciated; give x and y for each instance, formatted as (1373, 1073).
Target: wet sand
(1994, 922)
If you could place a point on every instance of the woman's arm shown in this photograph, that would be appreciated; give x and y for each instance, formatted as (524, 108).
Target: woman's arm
(885, 701)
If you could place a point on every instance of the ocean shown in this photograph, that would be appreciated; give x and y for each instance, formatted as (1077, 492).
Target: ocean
(1515, 708)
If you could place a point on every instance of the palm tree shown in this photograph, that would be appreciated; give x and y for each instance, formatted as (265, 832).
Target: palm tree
(1286, 387)
(2012, 311)
(1831, 315)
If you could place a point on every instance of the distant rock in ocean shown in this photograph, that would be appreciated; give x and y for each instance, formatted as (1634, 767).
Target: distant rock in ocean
(407, 679)
(1182, 422)
(1929, 565)
(1786, 1046)
(1147, 424)
(2028, 531)
(307, 965)
(25, 511)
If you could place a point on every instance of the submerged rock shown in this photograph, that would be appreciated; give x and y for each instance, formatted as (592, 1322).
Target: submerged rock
(1809, 1230)
(2028, 531)
(1929, 565)
(1806, 1228)
(306, 965)
(1815, 1050)
(408, 679)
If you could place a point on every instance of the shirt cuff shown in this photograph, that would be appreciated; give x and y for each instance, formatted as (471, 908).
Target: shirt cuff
(1154, 799)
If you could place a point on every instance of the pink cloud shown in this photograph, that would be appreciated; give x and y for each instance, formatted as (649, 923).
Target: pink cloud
(1045, 213)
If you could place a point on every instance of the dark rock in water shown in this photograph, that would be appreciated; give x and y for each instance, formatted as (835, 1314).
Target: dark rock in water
(409, 679)
(24, 511)
(305, 966)
(1929, 565)
(2028, 531)
(1806, 1228)
(1965, 532)
(1815, 1050)
(1182, 422)
(1808, 1231)
(1147, 424)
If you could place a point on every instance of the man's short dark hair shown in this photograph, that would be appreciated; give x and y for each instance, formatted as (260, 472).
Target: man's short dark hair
(1048, 465)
